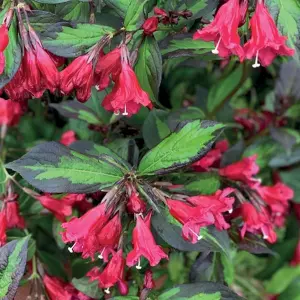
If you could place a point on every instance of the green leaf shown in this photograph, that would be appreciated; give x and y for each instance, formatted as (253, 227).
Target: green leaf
(57, 229)
(148, 67)
(89, 288)
(187, 144)
(68, 41)
(203, 183)
(136, 12)
(291, 178)
(40, 20)
(12, 55)
(12, 266)
(119, 6)
(286, 15)
(224, 88)
(292, 291)
(3, 178)
(54, 168)
(52, 1)
(76, 110)
(73, 11)
(282, 279)
(155, 129)
(202, 291)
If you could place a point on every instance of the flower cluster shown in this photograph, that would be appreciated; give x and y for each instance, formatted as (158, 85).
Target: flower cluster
(265, 43)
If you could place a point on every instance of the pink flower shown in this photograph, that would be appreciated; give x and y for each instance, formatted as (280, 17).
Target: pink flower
(150, 25)
(135, 204)
(257, 222)
(144, 244)
(10, 112)
(242, 170)
(79, 76)
(112, 274)
(71, 199)
(216, 204)
(266, 42)
(68, 138)
(212, 157)
(192, 218)
(56, 288)
(12, 213)
(148, 280)
(3, 44)
(78, 230)
(60, 209)
(3, 227)
(223, 30)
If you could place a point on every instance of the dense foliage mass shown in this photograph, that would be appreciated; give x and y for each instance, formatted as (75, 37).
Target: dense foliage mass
(149, 149)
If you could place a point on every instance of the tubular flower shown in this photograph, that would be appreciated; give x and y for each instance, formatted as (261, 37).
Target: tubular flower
(242, 170)
(10, 112)
(150, 25)
(60, 209)
(256, 222)
(192, 218)
(148, 280)
(111, 275)
(144, 244)
(56, 288)
(4, 40)
(266, 42)
(13, 217)
(126, 95)
(216, 204)
(224, 31)
(3, 227)
(78, 75)
(109, 64)
(77, 230)
(135, 204)
(68, 138)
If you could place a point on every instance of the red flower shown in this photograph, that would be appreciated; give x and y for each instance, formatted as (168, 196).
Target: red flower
(112, 274)
(10, 112)
(3, 226)
(56, 288)
(150, 25)
(3, 44)
(78, 75)
(192, 218)
(148, 280)
(223, 30)
(135, 204)
(212, 157)
(266, 42)
(78, 230)
(71, 199)
(216, 204)
(277, 197)
(109, 64)
(242, 170)
(13, 217)
(68, 138)
(296, 258)
(126, 95)
(144, 244)
(256, 222)
(60, 209)
(296, 208)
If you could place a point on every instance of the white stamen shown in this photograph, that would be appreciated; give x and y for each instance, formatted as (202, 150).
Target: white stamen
(117, 112)
(97, 87)
(256, 64)
(101, 254)
(125, 113)
(265, 237)
(107, 291)
(71, 248)
(199, 237)
(216, 51)
(138, 266)
(230, 211)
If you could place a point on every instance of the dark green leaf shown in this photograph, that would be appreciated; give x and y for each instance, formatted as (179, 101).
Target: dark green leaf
(3, 178)
(285, 159)
(291, 178)
(292, 291)
(203, 290)
(12, 266)
(119, 6)
(73, 10)
(284, 137)
(67, 41)
(40, 20)
(52, 1)
(57, 229)
(233, 154)
(89, 288)
(148, 67)
(54, 168)
(187, 144)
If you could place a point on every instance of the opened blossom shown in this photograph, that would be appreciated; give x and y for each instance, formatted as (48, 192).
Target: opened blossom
(4, 40)
(216, 204)
(223, 30)
(144, 244)
(257, 222)
(59, 208)
(112, 274)
(68, 138)
(266, 42)
(243, 171)
(3, 227)
(10, 112)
